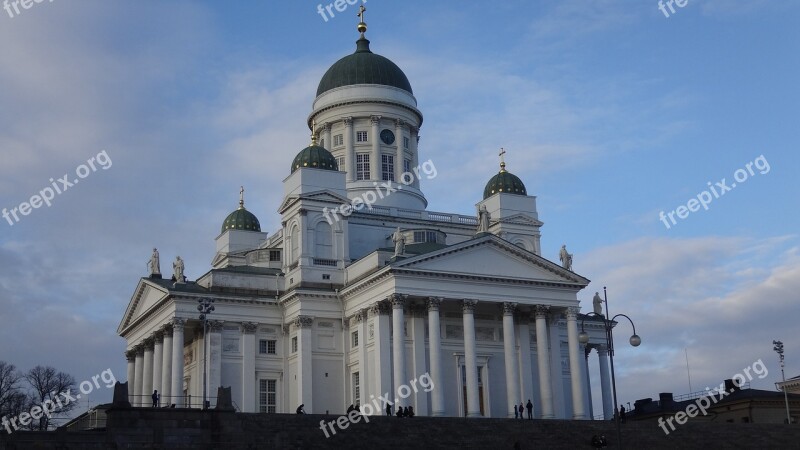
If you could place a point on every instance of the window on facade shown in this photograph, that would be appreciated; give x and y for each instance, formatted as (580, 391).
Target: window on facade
(267, 396)
(338, 140)
(387, 167)
(274, 255)
(362, 166)
(267, 346)
(324, 241)
(356, 388)
(295, 238)
(405, 142)
(354, 335)
(361, 136)
(407, 165)
(294, 344)
(340, 163)
(425, 236)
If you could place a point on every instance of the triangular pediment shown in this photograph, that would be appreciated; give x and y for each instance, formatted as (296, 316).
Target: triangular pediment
(324, 196)
(521, 219)
(490, 256)
(146, 296)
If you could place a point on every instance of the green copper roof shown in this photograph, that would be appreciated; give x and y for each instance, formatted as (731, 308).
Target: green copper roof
(316, 157)
(504, 182)
(241, 219)
(363, 67)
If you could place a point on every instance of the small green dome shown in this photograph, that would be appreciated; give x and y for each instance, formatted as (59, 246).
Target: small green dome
(316, 157)
(241, 219)
(363, 67)
(504, 182)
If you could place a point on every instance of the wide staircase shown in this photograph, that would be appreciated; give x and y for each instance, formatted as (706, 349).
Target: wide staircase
(142, 428)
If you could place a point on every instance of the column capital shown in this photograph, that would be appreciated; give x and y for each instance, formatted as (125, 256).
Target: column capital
(361, 315)
(433, 303)
(542, 311)
(375, 120)
(380, 308)
(414, 131)
(468, 306)
(602, 350)
(571, 313)
(148, 343)
(303, 321)
(167, 329)
(138, 349)
(326, 126)
(286, 328)
(215, 326)
(130, 355)
(348, 121)
(249, 327)
(178, 323)
(398, 301)
(399, 122)
(508, 308)
(158, 336)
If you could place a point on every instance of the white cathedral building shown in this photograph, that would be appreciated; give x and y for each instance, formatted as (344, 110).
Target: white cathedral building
(363, 291)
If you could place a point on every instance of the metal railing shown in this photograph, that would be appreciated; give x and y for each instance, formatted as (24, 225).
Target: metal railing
(173, 401)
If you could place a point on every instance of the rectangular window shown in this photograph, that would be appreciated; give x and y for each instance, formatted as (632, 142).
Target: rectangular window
(407, 165)
(294, 344)
(340, 162)
(338, 140)
(354, 335)
(361, 136)
(362, 166)
(387, 167)
(267, 396)
(267, 346)
(405, 142)
(356, 388)
(275, 255)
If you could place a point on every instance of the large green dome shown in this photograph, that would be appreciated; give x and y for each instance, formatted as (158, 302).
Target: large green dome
(241, 219)
(505, 182)
(316, 157)
(363, 67)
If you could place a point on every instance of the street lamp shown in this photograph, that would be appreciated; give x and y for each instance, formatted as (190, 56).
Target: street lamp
(206, 307)
(779, 350)
(608, 325)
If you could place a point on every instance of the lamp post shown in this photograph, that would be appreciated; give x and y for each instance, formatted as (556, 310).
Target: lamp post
(778, 347)
(206, 307)
(608, 325)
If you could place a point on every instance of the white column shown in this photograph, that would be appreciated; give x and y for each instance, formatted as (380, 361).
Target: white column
(435, 345)
(249, 367)
(399, 345)
(326, 129)
(375, 168)
(166, 368)
(399, 153)
(605, 382)
(214, 359)
(510, 354)
(130, 356)
(138, 377)
(176, 385)
(147, 373)
(588, 391)
(420, 368)
(526, 372)
(543, 357)
(158, 355)
(304, 367)
(575, 372)
(362, 317)
(349, 148)
(383, 362)
(415, 153)
(471, 359)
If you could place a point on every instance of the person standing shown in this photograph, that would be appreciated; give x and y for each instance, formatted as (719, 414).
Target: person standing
(155, 398)
(530, 409)
(521, 410)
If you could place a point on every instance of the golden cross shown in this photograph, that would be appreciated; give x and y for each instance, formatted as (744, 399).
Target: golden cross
(361, 12)
(241, 196)
(502, 161)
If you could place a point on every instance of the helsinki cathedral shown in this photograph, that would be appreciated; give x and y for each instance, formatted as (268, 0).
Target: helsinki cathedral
(363, 291)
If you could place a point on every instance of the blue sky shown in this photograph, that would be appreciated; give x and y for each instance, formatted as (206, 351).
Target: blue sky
(610, 113)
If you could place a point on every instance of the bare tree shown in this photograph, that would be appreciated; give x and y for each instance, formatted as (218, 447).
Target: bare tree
(10, 391)
(49, 385)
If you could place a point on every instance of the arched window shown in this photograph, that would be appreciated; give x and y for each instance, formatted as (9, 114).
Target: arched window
(295, 238)
(324, 241)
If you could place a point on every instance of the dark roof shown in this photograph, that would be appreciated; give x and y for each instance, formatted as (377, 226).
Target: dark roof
(315, 157)
(505, 182)
(241, 219)
(363, 67)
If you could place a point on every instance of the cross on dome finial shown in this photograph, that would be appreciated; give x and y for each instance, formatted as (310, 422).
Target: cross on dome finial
(241, 197)
(362, 25)
(313, 133)
(502, 160)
